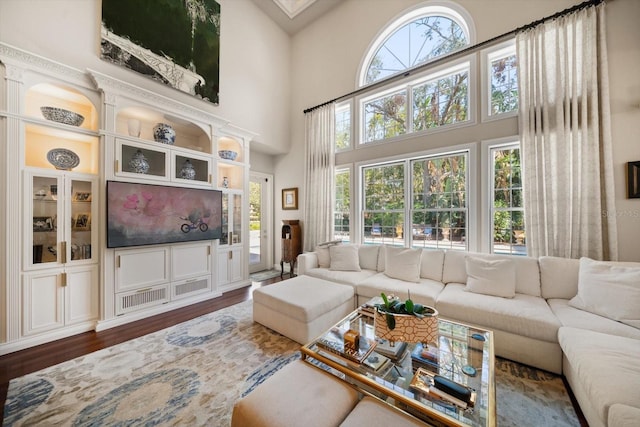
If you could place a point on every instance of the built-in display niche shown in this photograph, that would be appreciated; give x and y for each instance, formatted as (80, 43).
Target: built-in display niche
(230, 166)
(61, 132)
(149, 125)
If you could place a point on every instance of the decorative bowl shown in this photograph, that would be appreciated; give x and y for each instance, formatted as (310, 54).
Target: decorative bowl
(227, 154)
(61, 115)
(164, 133)
(63, 159)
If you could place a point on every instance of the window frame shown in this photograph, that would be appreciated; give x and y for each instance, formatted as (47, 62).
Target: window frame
(467, 63)
(349, 170)
(447, 9)
(488, 55)
(487, 178)
(473, 189)
(468, 190)
(349, 104)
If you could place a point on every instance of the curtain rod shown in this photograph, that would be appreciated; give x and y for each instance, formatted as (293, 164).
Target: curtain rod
(466, 50)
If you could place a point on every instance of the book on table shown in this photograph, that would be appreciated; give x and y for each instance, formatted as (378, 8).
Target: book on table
(393, 352)
(333, 341)
(422, 357)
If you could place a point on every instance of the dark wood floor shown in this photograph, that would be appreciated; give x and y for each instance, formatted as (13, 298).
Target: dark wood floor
(24, 362)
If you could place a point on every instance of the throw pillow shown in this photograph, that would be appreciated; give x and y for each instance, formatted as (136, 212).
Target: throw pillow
(609, 290)
(322, 252)
(495, 277)
(369, 256)
(344, 258)
(402, 263)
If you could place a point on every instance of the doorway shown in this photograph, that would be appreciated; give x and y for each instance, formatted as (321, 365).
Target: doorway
(260, 211)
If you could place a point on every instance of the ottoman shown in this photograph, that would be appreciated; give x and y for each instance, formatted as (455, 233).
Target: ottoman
(297, 395)
(303, 307)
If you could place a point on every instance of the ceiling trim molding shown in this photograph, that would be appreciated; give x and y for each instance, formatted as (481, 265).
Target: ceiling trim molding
(293, 8)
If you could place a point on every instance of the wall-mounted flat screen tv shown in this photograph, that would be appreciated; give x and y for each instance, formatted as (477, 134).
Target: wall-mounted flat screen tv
(148, 214)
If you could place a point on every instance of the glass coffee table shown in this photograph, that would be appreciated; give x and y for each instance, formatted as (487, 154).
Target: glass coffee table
(402, 374)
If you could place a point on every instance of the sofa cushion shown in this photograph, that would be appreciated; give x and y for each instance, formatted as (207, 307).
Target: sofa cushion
(368, 255)
(495, 277)
(623, 416)
(570, 316)
(342, 277)
(344, 258)
(558, 277)
(523, 315)
(431, 264)
(424, 292)
(402, 263)
(527, 270)
(371, 412)
(609, 290)
(606, 366)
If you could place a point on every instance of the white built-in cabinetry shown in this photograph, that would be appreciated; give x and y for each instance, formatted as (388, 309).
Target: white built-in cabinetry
(58, 276)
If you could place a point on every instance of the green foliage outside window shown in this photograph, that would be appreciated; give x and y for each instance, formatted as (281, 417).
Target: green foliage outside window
(441, 102)
(504, 85)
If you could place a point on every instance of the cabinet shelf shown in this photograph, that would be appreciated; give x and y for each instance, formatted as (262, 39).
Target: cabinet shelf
(145, 160)
(39, 140)
(60, 96)
(138, 122)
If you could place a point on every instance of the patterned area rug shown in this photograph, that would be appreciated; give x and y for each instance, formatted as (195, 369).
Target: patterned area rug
(192, 374)
(266, 275)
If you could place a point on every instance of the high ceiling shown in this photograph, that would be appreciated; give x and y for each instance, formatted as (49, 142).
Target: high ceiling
(293, 15)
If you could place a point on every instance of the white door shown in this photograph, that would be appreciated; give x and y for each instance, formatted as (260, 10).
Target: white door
(260, 210)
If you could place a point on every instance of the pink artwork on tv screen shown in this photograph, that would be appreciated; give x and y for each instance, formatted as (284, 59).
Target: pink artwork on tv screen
(146, 214)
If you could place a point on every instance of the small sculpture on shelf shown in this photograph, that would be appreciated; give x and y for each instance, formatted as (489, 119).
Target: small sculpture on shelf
(225, 182)
(187, 171)
(139, 163)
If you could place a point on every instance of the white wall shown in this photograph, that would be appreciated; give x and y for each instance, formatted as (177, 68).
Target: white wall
(326, 57)
(254, 58)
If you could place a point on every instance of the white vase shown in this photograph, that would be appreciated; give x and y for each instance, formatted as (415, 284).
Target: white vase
(133, 126)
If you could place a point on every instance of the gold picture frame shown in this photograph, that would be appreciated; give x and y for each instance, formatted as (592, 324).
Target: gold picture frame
(82, 196)
(81, 221)
(290, 198)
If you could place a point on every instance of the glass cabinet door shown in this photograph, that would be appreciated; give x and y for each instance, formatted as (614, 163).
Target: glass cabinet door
(45, 214)
(224, 240)
(237, 219)
(80, 220)
(231, 219)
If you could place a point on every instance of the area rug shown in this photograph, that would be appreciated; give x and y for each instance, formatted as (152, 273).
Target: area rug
(265, 275)
(193, 373)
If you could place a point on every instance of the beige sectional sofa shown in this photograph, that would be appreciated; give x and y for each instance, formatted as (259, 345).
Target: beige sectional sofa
(542, 311)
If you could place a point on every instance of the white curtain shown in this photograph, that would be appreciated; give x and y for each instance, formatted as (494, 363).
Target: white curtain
(319, 194)
(566, 137)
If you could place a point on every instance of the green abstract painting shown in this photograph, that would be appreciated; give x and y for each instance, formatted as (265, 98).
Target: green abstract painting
(176, 42)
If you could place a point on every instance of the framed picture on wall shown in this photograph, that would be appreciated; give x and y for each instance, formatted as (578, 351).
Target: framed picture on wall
(290, 198)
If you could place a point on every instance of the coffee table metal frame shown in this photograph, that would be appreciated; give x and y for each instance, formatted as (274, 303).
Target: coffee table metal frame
(415, 402)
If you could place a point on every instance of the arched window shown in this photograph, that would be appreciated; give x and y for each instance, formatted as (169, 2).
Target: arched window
(418, 36)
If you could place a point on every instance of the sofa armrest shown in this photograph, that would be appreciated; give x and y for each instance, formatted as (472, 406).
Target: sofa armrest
(307, 261)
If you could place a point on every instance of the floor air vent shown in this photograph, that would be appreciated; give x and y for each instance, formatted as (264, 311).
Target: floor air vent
(195, 286)
(140, 299)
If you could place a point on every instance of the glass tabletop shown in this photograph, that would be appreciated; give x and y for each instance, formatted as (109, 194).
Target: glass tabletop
(403, 373)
